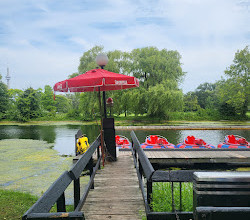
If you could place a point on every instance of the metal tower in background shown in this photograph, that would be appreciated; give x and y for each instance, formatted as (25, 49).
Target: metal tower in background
(8, 78)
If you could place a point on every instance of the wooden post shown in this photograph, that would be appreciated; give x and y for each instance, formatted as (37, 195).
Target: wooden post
(149, 192)
(140, 169)
(134, 150)
(61, 204)
(109, 138)
(76, 192)
(101, 132)
(98, 156)
(90, 167)
(76, 144)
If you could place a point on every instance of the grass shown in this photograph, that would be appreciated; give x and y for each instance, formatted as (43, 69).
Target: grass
(14, 204)
(162, 197)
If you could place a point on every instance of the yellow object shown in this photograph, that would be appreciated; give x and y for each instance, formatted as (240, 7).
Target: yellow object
(82, 145)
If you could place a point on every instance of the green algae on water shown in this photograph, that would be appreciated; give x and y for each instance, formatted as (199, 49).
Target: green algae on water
(30, 165)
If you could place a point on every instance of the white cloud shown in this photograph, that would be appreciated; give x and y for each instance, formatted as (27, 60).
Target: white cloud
(43, 40)
(82, 42)
(34, 68)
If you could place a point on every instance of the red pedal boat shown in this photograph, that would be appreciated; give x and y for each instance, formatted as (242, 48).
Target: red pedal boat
(234, 141)
(157, 142)
(122, 142)
(192, 142)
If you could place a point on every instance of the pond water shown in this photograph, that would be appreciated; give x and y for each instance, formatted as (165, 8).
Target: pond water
(63, 136)
(30, 155)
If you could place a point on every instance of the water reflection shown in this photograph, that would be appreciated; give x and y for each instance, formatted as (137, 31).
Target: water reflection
(47, 133)
(63, 136)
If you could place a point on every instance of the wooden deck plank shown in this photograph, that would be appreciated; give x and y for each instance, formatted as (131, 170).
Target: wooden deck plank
(113, 217)
(198, 156)
(117, 194)
(236, 154)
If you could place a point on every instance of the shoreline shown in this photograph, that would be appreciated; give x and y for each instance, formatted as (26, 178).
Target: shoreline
(177, 127)
(171, 125)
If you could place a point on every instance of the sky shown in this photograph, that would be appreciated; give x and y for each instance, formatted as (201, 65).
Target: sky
(41, 41)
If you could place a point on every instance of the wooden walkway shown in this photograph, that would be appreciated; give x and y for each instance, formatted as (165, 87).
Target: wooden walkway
(187, 156)
(117, 194)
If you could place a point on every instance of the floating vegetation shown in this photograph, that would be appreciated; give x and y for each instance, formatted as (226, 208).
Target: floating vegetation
(30, 165)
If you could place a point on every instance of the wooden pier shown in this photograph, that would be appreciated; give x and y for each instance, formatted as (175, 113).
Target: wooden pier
(199, 156)
(120, 194)
(117, 194)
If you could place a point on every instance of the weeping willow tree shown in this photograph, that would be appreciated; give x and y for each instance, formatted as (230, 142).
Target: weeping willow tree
(159, 73)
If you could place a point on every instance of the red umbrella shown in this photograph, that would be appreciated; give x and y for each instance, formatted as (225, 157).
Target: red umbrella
(95, 80)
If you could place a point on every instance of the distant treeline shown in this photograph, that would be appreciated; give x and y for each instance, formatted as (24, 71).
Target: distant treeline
(158, 96)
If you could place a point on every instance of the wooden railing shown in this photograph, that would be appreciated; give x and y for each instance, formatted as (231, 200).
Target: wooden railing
(56, 192)
(145, 168)
(146, 173)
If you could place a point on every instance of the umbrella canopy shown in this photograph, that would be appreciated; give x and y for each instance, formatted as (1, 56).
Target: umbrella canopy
(96, 79)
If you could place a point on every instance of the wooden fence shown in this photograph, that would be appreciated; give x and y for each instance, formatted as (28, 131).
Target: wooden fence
(56, 193)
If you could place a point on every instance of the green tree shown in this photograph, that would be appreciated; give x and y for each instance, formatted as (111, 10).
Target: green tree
(235, 90)
(153, 66)
(119, 62)
(159, 72)
(62, 104)
(87, 61)
(205, 94)
(227, 110)
(14, 95)
(163, 99)
(73, 75)
(47, 99)
(191, 102)
(4, 99)
(89, 105)
(28, 105)
(116, 96)
(139, 99)
(74, 101)
(126, 102)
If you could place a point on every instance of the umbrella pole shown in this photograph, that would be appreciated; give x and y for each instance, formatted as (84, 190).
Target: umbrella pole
(104, 100)
(104, 104)
(102, 147)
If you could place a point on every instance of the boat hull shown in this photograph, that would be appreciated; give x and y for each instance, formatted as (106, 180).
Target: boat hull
(157, 146)
(233, 146)
(182, 145)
